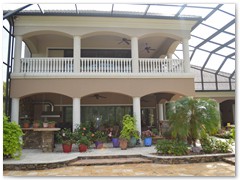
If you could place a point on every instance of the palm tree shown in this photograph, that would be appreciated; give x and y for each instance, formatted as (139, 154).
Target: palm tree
(189, 116)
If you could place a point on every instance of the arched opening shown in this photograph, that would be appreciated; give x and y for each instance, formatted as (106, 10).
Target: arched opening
(105, 109)
(46, 107)
(227, 109)
(154, 111)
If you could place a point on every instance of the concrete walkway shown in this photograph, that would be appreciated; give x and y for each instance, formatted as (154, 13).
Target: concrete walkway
(95, 164)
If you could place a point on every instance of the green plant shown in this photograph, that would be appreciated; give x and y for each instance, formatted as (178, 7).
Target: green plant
(12, 143)
(232, 133)
(188, 116)
(83, 130)
(129, 128)
(65, 136)
(83, 140)
(100, 136)
(171, 147)
(213, 145)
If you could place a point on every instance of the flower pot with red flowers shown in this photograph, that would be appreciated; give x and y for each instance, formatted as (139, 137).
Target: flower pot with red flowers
(65, 137)
(83, 144)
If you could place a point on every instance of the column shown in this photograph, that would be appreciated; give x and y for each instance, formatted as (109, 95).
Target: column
(186, 57)
(137, 112)
(134, 51)
(169, 56)
(76, 112)
(15, 110)
(161, 117)
(17, 54)
(76, 53)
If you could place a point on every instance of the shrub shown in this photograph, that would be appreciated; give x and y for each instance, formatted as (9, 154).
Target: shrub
(12, 142)
(213, 145)
(171, 147)
(65, 136)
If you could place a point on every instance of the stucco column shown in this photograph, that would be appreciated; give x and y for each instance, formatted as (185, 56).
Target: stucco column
(169, 56)
(76, 53)
(15, 110)
(134, 51)
(161, 117)
(137, 112)
(17, 53)
(76, 112)
(186, 57)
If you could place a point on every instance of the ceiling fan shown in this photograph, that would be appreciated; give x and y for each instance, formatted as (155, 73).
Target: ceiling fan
(148, 48)
(98, 96)
(125, 40)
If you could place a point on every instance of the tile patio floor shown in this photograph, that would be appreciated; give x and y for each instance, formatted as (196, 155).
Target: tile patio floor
(138, 169)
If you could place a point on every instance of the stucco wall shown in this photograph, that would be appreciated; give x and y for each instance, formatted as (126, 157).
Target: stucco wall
(80, 87)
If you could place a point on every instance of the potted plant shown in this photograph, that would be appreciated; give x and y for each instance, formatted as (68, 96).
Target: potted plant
(83, 143)
(45, 123)
(113, 133)
(65, 137)
(147, 137)
(26, 123)
(99, 138)
(129, 131)
(83, 136)
(51, 124)
(36, 124)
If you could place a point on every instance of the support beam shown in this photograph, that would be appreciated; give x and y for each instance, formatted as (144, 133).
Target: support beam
(137, 112)
(76, 113)
(17, 54)
(15, 110)
(134, 51)
(76, 53)
(186, 55)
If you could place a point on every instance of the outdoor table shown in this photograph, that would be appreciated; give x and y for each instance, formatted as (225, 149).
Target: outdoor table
(47, 137)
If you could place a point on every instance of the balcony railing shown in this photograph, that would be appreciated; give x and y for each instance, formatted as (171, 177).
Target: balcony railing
(46, 65)
(105, 65)
(100, 65)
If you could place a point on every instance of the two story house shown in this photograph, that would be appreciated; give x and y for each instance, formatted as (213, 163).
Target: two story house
(95, 69)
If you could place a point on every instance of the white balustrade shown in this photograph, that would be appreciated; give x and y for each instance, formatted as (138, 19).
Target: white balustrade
(105, 65)
(161, 66)
(46, 65)
(100, 65)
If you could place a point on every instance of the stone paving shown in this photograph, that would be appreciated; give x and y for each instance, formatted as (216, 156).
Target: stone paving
(196, 169)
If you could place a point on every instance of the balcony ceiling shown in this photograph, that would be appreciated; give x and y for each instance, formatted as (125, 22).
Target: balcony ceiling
(212, 43)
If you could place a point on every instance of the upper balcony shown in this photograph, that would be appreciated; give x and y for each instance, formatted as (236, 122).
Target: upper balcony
(103, 50)
(95, 66)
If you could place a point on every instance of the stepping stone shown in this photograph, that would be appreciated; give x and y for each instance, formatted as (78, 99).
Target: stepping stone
(110, 161)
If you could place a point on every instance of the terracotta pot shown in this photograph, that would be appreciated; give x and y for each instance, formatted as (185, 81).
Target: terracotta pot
(67, 148)
(123, 144)
(51, 125)
(36, 125)
(26, 125)
(99, 145)
(82, 148)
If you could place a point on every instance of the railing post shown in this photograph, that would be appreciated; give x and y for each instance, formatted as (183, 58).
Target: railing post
(76, 53)
(134, 51)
